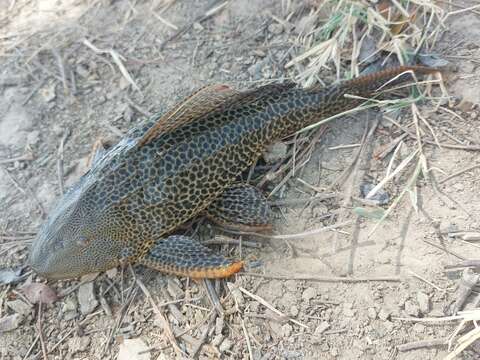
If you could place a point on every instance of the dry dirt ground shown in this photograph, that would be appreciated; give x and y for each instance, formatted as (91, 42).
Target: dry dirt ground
(55, 89)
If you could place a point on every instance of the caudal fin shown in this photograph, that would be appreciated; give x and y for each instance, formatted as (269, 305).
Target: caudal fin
(388, 78)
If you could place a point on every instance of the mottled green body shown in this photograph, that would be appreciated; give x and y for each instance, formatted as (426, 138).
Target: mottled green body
(153, 181)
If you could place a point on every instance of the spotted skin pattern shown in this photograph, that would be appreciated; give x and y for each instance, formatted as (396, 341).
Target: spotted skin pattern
(171, 168)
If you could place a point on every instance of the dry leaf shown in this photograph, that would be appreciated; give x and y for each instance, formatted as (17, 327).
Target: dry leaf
(9, 323)
(36, 292)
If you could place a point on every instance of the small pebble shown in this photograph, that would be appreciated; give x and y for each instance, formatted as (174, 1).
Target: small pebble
(236, 293)
(86, 298)
(111, 273)
(217, 340)
(411, 308)
(275, 152)
(321, 328)
(219, 322)
(69, 308)
(384, 314)
(372, 313)
(275, 28)
(78, 343)
(133, 349)
(419, 328)
(309, 293)
(11, 322)
(33, 137)
(226, 345)
(287, 330)
(82, 70)
(198, 27)
(294, 311)
(174, 289)
(381, 197)
(19, 306)
(48, 92)
(423, 302)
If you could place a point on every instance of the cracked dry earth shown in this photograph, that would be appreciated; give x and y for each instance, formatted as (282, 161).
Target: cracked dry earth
(242, 45)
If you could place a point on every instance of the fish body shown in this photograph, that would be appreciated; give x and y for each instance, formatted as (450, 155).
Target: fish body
(174, 167)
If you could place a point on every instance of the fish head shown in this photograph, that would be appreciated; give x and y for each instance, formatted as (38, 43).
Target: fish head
(74, 240)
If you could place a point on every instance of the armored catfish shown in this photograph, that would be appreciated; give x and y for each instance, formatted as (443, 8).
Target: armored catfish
(126, 208)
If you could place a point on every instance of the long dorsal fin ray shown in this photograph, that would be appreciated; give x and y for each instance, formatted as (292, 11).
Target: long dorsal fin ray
(204, 101)
(196, 105)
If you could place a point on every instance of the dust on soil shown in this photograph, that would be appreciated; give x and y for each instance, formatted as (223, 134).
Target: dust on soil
(241, 45)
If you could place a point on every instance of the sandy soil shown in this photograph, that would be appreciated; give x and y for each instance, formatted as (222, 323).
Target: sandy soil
(87, 97)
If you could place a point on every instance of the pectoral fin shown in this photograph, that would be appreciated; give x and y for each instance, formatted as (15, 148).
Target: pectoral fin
(241, 207)
(184, 256)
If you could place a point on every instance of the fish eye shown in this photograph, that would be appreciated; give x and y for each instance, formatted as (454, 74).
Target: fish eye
(82, 241)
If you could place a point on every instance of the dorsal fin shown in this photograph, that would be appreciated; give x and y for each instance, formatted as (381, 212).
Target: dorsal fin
(196, 105)
(204, 101)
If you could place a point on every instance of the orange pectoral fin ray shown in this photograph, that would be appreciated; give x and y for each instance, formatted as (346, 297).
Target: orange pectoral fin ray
(184, 256)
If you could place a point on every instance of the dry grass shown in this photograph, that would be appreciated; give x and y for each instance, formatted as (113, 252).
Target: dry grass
(341, 40)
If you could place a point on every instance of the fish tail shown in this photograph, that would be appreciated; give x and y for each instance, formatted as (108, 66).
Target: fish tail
(316, 103)
(385, 79)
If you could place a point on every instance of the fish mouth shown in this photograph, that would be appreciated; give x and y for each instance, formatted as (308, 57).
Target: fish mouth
(50, 273)
(43, 265)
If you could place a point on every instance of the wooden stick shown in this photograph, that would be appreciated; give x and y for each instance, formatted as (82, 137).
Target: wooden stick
(331, 279)
(460, 172)
(198, 19)
(421, 344)
(40, 332)
(213, 317)
(163, 320)
(269, 306)
(247, 338)
(294, 236)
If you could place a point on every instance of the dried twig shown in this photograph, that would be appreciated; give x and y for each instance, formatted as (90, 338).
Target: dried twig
(25, 157)
(61, 68)
(247, 339)
(60, 171)
(467, 282)
(162, 319)
(426, 281)
(337, 279)
(209, 13)
(269, 306)
(443, 248)
(464, 342)
(422, 344)
(117, 58)
(40, 332)
(295, 236)
(458, 173)
(223, 240)
(204, 334)
(27, 191)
